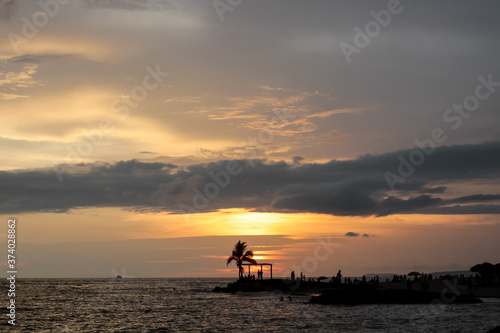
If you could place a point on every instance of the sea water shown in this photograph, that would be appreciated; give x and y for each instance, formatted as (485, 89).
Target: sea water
(189, 305)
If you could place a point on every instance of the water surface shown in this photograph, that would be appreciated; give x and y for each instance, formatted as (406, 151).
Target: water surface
(188, 305)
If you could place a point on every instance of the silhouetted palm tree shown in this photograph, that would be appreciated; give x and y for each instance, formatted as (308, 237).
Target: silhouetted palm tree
(240, 254)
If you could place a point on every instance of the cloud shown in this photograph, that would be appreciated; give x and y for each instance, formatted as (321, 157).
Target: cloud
(8, 97)
(280, 111)
(475, 198)
(345, 188)
(19, 72)
(14, 77)
(151, 5)
(297, 160)
(132, 167)
(357, 234)
(434, 190)
(39, 58)
(224, 86)
(464, 209)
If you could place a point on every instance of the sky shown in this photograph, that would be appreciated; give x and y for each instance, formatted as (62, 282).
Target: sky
(148, 137)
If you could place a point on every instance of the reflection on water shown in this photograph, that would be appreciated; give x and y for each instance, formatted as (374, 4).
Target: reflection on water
(166, 305)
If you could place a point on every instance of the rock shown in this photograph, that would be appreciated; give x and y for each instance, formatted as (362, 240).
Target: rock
(354, 295)
(495, 330)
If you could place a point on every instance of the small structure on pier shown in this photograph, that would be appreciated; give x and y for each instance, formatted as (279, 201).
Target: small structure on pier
(261, 269)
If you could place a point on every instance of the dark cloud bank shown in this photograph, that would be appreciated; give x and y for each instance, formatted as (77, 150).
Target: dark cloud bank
(346, 188)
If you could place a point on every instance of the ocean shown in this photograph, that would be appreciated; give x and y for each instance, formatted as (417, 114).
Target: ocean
(189, 305)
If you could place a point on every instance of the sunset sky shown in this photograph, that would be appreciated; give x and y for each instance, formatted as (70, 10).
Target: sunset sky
(148, 137)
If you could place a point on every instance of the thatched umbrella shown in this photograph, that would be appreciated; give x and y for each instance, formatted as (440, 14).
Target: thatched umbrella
(416, 274)
(483, 268)
(486, 270)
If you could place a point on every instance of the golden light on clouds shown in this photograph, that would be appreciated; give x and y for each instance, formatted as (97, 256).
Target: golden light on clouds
(240, 221)
(124, 224)
(38, 122)
(314, 139)
(92, 49)
(387, 237)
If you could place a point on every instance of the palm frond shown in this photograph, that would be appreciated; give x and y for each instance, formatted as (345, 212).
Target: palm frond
(251, 260)
(231, 259)
(239, 249)
(249, 257)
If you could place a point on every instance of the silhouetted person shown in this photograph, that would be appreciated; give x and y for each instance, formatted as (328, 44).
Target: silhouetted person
(293, 275)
